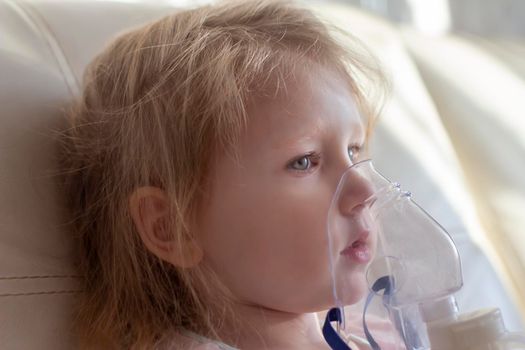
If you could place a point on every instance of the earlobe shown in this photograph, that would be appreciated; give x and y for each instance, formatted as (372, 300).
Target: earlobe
(150, 210)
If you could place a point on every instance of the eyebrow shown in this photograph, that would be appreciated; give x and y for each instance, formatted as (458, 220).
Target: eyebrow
(361, 136)
(299, 139)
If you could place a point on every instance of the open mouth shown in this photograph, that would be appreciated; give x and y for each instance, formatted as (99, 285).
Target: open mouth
(359, 250)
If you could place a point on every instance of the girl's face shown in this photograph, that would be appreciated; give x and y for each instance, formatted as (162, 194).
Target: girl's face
(263, 225)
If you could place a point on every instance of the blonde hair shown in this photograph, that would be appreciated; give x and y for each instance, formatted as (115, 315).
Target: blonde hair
(157, 104)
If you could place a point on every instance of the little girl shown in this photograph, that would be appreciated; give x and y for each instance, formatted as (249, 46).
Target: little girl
(199, 166)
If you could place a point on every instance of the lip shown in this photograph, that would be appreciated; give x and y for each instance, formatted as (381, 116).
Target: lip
(359, 250)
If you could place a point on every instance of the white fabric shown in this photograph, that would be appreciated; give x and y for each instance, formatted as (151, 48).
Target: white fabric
(203, 343)
(478, 87)
(44, 47)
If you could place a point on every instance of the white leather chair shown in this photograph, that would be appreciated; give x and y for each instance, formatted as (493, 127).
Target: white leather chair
(44, 47)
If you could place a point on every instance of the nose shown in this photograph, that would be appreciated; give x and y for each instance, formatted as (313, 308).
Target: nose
(356, 189)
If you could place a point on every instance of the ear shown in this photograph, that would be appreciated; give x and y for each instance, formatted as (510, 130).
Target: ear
(150, 209)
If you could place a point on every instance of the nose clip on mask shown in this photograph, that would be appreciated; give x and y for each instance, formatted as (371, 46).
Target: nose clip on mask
(381, 240)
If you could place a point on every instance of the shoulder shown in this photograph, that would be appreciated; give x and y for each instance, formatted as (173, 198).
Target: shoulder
(206, 346)
(188, 341)
(382, 330)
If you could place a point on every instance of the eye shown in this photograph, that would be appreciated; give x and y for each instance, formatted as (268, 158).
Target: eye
(304, 163)
(353, 152)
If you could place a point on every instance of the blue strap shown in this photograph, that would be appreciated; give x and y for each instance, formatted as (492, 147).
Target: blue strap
(385, 283)
(329, 333)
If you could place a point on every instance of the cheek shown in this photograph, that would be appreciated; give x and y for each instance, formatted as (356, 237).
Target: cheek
(288, 255)
(293, 222)
(272, 232)
(271, 248)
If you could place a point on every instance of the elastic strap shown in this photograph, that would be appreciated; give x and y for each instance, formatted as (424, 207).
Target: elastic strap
(330, 335)
(385, 283)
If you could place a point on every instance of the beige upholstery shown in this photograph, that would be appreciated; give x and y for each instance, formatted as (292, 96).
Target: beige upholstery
(44, 46)
(43, 49)
(478, 86)
(33, 310)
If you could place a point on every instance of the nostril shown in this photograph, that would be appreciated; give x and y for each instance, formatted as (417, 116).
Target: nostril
(358, 209)
(352, 205)
(354, 200)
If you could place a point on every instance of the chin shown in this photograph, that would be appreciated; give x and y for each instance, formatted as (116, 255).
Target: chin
(356, 291)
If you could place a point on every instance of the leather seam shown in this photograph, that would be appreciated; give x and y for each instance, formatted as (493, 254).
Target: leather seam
(3, 278)
(5, 295)
(38, 22)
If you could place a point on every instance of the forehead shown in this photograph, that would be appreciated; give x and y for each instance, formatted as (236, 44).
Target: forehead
(307, 104)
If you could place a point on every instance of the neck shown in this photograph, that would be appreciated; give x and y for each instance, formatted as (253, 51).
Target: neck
(261, 328)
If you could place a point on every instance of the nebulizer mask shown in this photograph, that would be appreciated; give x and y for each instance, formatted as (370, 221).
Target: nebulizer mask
(385, 248)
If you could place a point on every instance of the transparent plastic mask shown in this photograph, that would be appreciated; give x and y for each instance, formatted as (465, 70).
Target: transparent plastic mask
(382, 244)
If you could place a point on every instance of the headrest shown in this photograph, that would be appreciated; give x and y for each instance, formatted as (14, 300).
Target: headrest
(44, 49)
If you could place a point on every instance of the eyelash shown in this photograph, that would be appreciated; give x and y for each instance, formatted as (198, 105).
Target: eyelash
(314, 157)
(311, 157)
